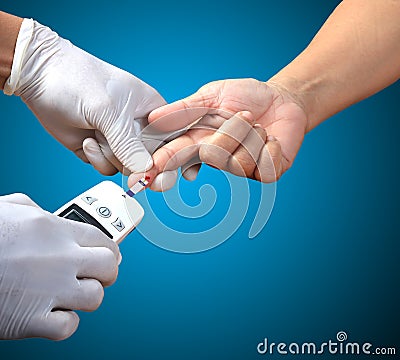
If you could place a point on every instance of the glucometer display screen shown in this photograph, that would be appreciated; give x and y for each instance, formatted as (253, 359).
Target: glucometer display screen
(76, 213)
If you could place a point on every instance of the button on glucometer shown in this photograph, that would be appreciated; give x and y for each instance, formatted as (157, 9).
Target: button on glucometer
(104, 211)
(89, 199)
(118, 224)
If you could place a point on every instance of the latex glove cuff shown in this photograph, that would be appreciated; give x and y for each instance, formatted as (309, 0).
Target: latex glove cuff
(23, 40)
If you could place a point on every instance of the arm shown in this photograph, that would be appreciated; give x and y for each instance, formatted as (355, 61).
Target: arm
(354, 55)
(9, 28)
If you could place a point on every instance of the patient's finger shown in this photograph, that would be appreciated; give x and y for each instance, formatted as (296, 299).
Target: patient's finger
(246, 155)
(211, 121)
(182, 113)
(180, 150)
(175, 153)
(217, 149)
(269, 165)
(191, 169)
(179, 114)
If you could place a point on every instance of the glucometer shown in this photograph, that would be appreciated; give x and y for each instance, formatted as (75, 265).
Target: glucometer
(107, 207)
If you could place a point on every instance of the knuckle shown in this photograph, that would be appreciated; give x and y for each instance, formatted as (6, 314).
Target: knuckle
(268, 178)
(18, 198)
(171, 159)
(205, 153)
(93, 294)
(45, 221)
(270, 174)
(112, 246)
(97, 295)
(109, 259)
(246, 119)
(214, 155)
(243, 161)
(110, 265)
(236, 166)
(113, 277)
(22, 198)
(99, 238)
(286, 164)
(266, 173)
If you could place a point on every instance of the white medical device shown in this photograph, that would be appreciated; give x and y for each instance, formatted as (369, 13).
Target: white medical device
(107, 207)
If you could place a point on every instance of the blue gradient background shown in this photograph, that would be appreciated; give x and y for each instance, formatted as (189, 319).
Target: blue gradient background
(328, 259)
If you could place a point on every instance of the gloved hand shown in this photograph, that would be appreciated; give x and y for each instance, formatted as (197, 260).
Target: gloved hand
(93, 108)
(49, 266)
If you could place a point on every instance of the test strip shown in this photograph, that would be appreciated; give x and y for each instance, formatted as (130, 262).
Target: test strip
(139, 186)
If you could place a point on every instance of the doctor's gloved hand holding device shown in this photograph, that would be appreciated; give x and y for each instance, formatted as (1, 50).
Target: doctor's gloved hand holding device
(52, 265)
(95, 109)
(49, 267)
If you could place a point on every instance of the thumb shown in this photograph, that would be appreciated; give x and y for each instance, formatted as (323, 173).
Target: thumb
(124, 134)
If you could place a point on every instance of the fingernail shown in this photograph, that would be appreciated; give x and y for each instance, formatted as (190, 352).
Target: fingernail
(119, 259)
(271, 138)
(134, 178)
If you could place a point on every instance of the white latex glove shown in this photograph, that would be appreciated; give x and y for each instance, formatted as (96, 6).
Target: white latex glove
(49, 266)
(78, 98)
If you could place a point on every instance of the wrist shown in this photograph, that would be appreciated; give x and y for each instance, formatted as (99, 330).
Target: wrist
(303, 92)
(9, 29)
